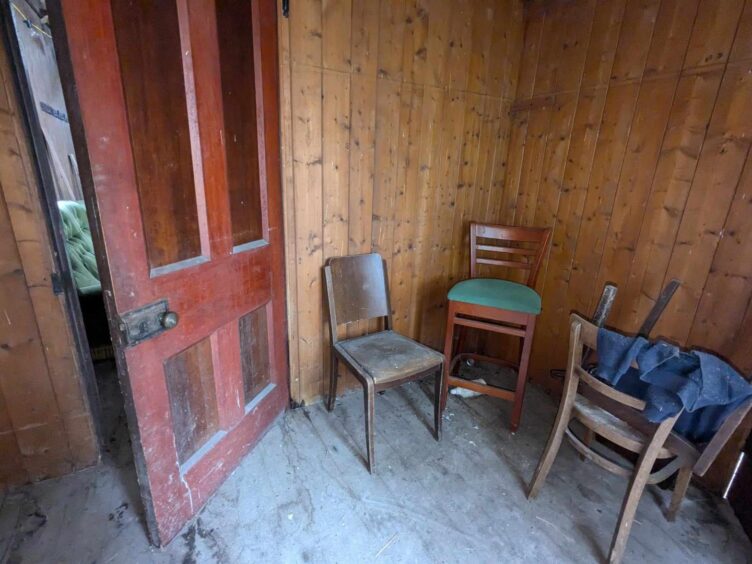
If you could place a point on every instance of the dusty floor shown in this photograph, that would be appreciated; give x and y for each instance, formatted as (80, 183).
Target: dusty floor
(304, 495)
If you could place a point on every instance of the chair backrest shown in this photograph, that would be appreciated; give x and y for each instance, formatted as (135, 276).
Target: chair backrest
(356, 289)
(584, 334)
(512, 247)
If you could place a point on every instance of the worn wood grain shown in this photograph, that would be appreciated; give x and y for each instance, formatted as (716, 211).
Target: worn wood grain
(408, 145)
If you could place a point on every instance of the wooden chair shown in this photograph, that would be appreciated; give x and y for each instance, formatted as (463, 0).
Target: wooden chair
(617, 417)
(499, 306)
(357, 289)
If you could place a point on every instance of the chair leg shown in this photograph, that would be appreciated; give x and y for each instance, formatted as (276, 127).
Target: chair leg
(519, 391)
(587, 439)
(333, 376)
(368, 400)
(438, 388)
(634, 492)
(554, 439)
(683, 478)
(448, 342)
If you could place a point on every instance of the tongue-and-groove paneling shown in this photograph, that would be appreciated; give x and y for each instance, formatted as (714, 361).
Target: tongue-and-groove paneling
(395, 133)
(634, 128)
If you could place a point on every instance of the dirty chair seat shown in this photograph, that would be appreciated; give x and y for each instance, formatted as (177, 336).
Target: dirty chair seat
(611, 427)
(388, 356)
(501, 294)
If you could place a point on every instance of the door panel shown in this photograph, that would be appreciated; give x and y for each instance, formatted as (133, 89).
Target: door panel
(179, 126)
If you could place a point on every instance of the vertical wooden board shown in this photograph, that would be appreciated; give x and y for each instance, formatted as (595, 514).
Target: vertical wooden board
(414, 49)
(335, 146)
(12, 471)
(305, 33)
(554, 162)
(532, 166)
(385, 168)
(728, 287)
(307, 159)
(535, 16)
(713, 32)
(24, 380)
(336, 17)
(515, 160)
(742, 48)
(501, 151)
(609, 155)
(438, 261)
(336, 163)
(552, 327)
(439, 21)
(362, 137)
(645, 140)
(567, 48)
(365, 37)
(671, 37)
(18, 179)
(465, 186)
(405, 206)
(685, 134)
(391, 38)
(288, 196)
(433, 102)
(480, 47)
(458, 45)
(604, 37)
(634, 40)
(718, 171)
(550, 48)
(503, 67)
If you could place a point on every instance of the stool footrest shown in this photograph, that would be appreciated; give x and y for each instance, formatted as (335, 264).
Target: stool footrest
(500, 393)
(487, 326)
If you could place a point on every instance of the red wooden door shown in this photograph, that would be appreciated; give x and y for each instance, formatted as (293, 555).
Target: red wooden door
(178, 109)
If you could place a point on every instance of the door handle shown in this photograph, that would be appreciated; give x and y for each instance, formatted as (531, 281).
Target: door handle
(169, 319)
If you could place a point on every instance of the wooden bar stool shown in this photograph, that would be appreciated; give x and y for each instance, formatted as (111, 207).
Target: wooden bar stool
(499, 306)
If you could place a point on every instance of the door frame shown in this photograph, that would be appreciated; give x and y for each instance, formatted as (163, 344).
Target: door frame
(61, 275)
(272, 166)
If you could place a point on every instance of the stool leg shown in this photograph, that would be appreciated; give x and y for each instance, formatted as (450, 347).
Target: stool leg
(438, 389)
(448, 342)
(519, 391)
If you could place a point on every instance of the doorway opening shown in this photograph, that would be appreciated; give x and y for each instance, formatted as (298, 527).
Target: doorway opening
(32, 49)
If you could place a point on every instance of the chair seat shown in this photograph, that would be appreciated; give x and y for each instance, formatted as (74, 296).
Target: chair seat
(500, 294)
(388, 356)
(611, 427)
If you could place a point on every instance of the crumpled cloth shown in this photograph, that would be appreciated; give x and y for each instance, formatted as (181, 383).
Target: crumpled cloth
(669, 380)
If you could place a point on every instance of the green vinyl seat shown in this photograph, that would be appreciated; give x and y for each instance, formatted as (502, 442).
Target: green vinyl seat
(501, 294)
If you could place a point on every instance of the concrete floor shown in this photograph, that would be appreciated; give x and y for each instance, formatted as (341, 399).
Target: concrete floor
(304, 495)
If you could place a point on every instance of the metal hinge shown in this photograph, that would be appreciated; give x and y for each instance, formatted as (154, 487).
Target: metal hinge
(57, 283)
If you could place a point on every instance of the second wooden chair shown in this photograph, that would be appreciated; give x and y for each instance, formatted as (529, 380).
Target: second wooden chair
(357, 289)
(499, 306)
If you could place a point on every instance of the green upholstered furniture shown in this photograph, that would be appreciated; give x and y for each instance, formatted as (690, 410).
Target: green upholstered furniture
(83, 265)
(499, 306)
(79, 247)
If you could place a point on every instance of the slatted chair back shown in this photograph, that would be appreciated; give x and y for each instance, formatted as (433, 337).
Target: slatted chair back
(584, 336)
(512, 247)
(357, 290)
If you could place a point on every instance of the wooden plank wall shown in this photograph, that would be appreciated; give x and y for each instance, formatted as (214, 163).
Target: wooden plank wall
(395, 133)
(46, 427)
(632, 131)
